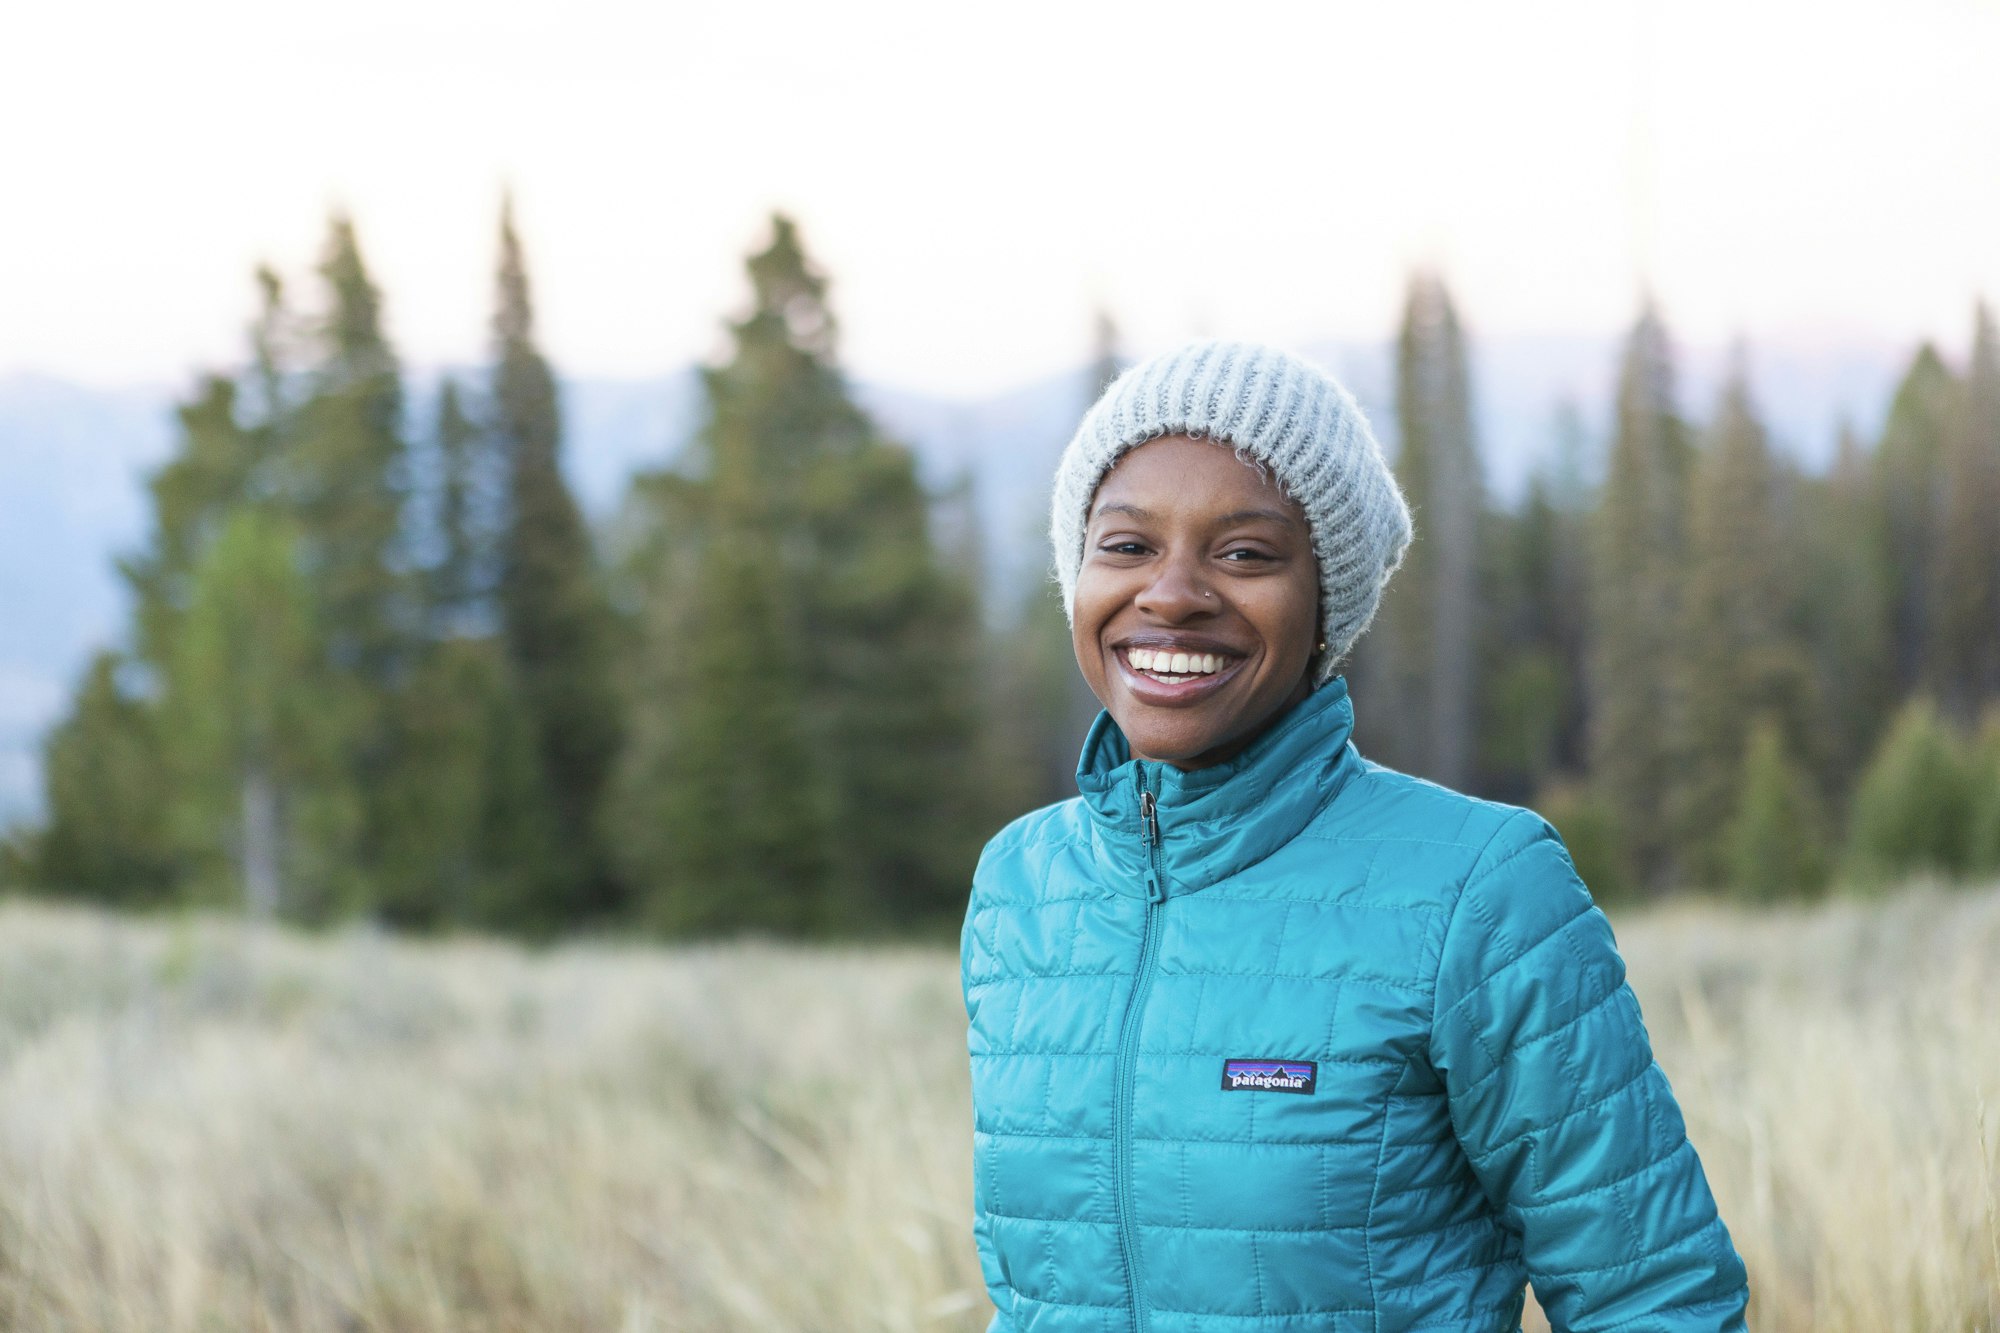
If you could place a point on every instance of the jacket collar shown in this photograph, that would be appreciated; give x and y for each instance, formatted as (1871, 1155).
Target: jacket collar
(1217, 821)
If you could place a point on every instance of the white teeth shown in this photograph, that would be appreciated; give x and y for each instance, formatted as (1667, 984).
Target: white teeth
(1160, 662)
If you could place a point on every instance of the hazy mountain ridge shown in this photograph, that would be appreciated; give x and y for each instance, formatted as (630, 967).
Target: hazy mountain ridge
(74, 461)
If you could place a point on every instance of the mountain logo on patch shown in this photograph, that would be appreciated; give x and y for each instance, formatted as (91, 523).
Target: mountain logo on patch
(1269, 1075)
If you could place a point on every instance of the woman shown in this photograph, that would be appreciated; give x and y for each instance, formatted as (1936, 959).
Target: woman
(1266, 1036)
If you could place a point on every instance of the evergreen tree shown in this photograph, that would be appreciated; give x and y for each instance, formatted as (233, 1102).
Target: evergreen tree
(1426, 636)
(254, 731)
(218, 465)
(1912, 809)
(105, 835)
(1775, 834)
(802, 755)
(1846, 592)
(1965, 596)
(1639, 545)
(476, 835)
(1910, 480)
(346, 466)
(555, 617)
(1534, 583)
(1739, 655)
(463, 578)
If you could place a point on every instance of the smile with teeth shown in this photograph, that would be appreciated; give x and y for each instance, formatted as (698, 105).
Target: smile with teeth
(1173, 667)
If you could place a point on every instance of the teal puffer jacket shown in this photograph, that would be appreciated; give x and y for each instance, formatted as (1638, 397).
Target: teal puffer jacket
(1297, 1044)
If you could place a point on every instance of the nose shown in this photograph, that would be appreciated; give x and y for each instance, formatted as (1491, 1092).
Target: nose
(1177, 592)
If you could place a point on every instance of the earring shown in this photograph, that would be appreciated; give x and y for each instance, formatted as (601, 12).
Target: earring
(1322, 645)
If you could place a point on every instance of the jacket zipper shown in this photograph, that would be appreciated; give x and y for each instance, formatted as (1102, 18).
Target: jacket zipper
(1128, 1046)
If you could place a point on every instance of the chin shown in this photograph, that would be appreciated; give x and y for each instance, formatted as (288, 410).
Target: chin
(1170, 744)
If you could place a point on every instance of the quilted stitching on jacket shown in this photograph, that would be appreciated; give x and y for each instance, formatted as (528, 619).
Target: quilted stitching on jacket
(1486, 1108)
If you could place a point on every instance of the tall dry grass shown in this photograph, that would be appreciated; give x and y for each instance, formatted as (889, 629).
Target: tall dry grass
(205, 1128)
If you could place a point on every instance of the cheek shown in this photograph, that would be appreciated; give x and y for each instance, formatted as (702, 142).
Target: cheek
(1095, 602)
(1291, 620)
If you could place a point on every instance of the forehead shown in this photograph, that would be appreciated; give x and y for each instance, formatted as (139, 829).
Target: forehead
(1190, 479)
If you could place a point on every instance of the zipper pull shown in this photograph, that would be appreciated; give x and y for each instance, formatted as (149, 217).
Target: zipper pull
(1149, 827)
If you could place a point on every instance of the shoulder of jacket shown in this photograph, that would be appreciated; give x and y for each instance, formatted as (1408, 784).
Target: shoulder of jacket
(1026, 843)
(1384, 804)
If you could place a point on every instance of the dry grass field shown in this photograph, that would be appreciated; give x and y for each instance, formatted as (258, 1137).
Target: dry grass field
(202, 1128)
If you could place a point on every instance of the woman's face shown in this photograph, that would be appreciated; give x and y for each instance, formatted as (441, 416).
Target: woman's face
(1200, 568)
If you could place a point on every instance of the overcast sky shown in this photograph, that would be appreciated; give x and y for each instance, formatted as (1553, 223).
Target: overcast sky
(975, 177)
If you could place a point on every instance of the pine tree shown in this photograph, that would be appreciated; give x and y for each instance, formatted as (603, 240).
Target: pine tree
(555, 617)
(1774, 841)
(105, 835)
(1965, 596)
(476, 836)
(1846, 597)
(1534, 581)
(1910, 480)
(1740, 659)
(469, 496)
(346, 467)
(1639, 544)
(1426, 639)
(218, 465)
(254, 731)
(804, 743)
(1912, 810)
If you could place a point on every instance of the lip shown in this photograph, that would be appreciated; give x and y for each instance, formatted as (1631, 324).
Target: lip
(1159, 694)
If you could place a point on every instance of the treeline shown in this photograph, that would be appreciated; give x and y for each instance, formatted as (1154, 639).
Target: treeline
(388, 671)
(381, 666)
(1709, 667)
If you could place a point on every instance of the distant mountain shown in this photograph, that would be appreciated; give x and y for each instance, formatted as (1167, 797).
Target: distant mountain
(74, 460)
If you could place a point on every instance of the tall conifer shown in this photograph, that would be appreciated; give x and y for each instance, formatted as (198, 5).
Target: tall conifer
(1639, 543)
(805, 742)
(346, 465)
(1965, 596)
(554, 615)
(1427, 636)
(260, 804)
(1737, 649)
(105, 836)
(1847, 592)
(1910, 476)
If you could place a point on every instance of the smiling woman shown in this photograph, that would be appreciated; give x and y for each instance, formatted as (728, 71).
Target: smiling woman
(1266, 1036)
(1197, 609)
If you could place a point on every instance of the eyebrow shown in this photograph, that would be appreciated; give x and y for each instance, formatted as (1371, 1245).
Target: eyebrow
(1275, 515)
(1241, 515)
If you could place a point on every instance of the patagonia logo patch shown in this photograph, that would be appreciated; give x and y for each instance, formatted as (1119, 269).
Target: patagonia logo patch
(1269, 1075)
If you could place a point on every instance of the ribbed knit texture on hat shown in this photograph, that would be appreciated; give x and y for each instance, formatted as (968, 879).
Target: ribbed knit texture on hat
(1286, 413)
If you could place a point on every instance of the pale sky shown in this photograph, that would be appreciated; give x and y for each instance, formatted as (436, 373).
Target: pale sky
(976, 177)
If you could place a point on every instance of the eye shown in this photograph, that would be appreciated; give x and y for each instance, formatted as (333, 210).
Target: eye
(1251, 554)
(1127, 547)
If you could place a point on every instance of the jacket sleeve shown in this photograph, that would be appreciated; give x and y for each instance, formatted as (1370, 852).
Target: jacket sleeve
(1564, 1115)
(997, 1289)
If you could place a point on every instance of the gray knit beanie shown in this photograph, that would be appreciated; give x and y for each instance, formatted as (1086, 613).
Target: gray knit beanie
(1279, 411)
